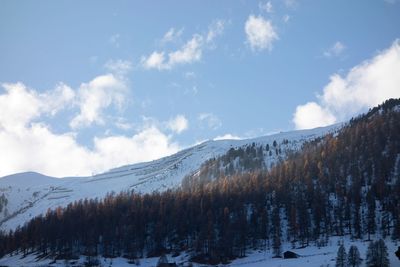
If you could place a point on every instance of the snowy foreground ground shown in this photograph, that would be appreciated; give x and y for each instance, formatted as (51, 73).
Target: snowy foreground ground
(310, 257)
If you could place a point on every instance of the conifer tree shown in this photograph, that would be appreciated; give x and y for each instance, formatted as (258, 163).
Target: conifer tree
(353, 257)
(377, 255)
(382, 254)
(371, 255)
(276, 233)
(341, 257)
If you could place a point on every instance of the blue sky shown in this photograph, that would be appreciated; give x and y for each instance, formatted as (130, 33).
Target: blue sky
(91, 86)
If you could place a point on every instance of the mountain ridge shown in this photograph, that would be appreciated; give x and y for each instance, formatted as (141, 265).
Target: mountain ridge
(27, 198)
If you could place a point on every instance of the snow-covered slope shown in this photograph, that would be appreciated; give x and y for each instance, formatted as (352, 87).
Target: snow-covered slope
(310, 256)
(31, 194)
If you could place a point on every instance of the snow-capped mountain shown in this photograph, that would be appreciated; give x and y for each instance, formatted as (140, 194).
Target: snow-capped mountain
(26, 195)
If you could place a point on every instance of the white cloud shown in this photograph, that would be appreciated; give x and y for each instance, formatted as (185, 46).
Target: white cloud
(260, 33)
(155, 61)
(146, 145)
(178, 124)
(189, 52)
(98, 94)
(227, 137)
(31, 144)
(172, 35)
(20, 105)
(209, 120)
(59, 98)
(366, 85)
(267, 7)
(36, 148)
(335, 50)
(118, 67)
(312, 115)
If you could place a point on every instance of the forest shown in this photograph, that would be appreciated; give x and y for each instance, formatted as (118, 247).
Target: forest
(343, 184)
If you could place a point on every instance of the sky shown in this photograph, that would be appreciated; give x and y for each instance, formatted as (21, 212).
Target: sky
(89, 86)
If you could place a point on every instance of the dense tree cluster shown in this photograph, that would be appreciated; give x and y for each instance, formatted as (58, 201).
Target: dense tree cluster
(335, 186)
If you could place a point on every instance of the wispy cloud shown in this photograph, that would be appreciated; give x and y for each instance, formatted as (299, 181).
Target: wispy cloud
(209, 120)
(215, 29)
(172, 35)
(190, 75)
(286, 18)
(189, 52)
(335, 50)
(266, 7)
(119, 67)
(291, 3)
(114, 40)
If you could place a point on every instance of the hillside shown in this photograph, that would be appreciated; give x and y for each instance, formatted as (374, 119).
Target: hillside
(26, 195)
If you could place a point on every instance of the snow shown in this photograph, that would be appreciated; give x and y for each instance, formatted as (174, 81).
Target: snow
(313, 256)
(31, 194)
(310, 257)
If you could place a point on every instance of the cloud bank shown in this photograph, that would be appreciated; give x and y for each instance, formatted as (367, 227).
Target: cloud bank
(32, 145)
(364, 86)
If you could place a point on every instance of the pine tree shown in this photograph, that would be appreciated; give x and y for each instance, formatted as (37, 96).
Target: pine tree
(398, 253)
(353, 257)
(377, 255)
(341, 257)
(371, 255)
(371, 225)
(162, 260)
(276, 232)
(382, 254)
